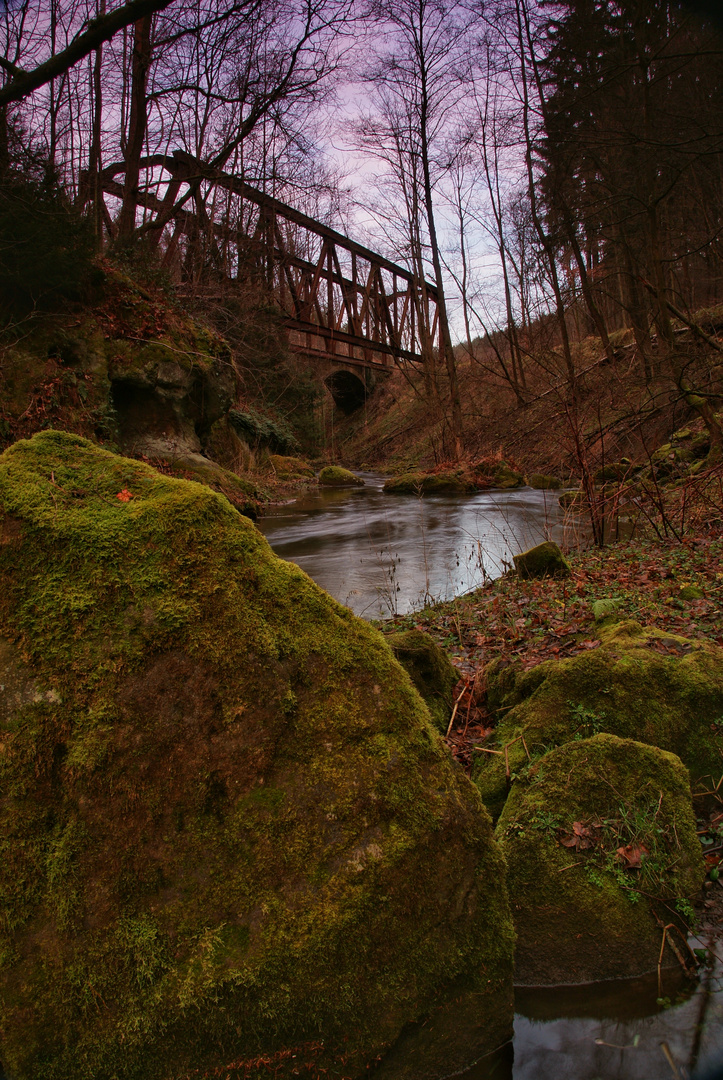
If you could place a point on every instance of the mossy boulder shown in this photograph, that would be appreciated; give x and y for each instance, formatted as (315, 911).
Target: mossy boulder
(613, 470)
(430, 669)
(541, 482)
(290, 467)
(241, 492)
(506, 683)
(543, 560)
(574, 499)
(451, 482)
(640, 683)
(335, 476)
(227, 826)
(601, 845)
(506, 477)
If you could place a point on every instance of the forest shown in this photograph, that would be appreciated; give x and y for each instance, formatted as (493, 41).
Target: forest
(361, 510)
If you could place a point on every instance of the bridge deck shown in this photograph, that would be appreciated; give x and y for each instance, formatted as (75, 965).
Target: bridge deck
(340, 300)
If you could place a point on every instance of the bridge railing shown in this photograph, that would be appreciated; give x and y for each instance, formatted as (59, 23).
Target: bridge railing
(340, 300)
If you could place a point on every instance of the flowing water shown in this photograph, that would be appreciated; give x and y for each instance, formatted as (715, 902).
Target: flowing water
(384, 555)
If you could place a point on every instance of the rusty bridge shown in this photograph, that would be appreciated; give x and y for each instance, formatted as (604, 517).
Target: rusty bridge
(341, 302)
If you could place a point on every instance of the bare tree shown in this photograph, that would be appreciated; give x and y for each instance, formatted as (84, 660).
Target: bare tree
(415, 85)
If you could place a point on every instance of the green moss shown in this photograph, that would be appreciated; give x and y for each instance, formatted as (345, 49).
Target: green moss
(573, 500)
(429, 668)
(639, 684)
(335, 476)
(599, 838)
(507, 684)
(505, 477)
(543, 560)
(290, 466)
(242, 493)
(614, 470)
(544, 483)
(226, 824)
(419, 483)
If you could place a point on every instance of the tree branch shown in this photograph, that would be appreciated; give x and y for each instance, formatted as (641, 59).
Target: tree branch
(99, 30)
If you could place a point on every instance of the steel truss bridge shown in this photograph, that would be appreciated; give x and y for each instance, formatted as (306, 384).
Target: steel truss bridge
(341, 302)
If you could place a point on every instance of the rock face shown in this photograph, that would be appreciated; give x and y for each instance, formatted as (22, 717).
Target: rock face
(601, 846)
(335, 476)
(640, 684)
(430, 669)
(140, 375)
(544, 560)
(227, 826)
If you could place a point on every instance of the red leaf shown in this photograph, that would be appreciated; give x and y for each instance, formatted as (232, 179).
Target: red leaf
(632, 855)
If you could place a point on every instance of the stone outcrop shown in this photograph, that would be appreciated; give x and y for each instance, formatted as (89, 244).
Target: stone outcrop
(602, 853)
(227, 825)
(640, 683)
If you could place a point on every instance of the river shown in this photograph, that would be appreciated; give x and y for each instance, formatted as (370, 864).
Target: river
(385, 555)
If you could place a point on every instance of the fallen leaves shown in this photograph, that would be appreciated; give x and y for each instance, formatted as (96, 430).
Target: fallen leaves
(583, 836)
(632, 856)
(124, 496)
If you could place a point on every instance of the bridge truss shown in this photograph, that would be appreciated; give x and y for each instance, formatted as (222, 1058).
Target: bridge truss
(340, 301)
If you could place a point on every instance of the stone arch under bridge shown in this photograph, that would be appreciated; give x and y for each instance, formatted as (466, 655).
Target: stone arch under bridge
(350, 386)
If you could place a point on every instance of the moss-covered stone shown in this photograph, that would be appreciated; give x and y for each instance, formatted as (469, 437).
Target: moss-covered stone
(430, 669)
(506, 684)
(573, 500)
(639, 684)
(541, 482)
(601, 845)
(454, 482)
(614, 470)
(507, 478)
(241, 492)
(335, 476)
(690, 592)
(227, 826)
(290, 467)
(543, 560)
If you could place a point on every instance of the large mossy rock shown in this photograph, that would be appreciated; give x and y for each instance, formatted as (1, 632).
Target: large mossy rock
(290, 467)
(335, 476)
(227, 827)
(639, 684)
(574, 500)
(430, 669)
(542, 482)
(601, 845)
(506, 477)
(543, 560)
(451, 482)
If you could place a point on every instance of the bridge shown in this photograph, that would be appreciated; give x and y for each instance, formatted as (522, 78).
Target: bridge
(345, 307)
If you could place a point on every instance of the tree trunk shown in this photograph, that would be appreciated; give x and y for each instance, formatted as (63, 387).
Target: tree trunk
(136, 127)
(444, 334)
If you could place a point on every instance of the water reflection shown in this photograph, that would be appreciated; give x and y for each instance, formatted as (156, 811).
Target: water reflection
(389, 554)
(612, 1031)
